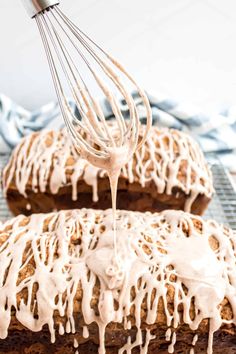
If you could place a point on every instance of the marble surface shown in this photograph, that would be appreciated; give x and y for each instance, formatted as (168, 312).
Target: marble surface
(183, 48)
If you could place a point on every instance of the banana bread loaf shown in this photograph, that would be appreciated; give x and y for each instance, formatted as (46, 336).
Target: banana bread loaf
(45, 173)
(169, 286)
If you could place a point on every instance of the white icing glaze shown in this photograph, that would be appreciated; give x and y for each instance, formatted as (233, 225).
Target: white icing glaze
(143, 347)
(195, 339)
(61, 329)
(154, 252)
(28, 206)
(165, 154)
(171, 347)
(85, 332)
(76, 344)
(168, 334)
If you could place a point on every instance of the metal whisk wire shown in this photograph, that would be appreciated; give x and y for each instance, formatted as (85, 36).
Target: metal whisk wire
(92, 133)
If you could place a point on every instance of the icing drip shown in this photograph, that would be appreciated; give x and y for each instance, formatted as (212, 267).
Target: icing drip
(195, 339)
(61, 329)
(50, 262)
(48, 161)
(171, 347)
(76, 344)
(28, 206)
(143, 348)
(85, 332)
(168, 334)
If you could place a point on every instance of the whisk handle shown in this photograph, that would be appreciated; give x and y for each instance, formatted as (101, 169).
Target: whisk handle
(33, 7)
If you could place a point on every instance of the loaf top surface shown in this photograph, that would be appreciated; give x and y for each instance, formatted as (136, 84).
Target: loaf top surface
(169, 268)
(171, 160)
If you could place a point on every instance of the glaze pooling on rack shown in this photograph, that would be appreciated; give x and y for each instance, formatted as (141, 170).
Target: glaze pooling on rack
(70, 251)
(48, 161)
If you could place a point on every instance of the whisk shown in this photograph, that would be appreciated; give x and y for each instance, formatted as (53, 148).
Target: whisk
(82, 69)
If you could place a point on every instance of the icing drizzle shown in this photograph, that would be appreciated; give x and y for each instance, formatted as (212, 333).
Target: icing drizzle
(169, 158)
(47, 259)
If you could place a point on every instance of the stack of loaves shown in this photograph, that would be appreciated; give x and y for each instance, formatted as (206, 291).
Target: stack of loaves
(175, 291)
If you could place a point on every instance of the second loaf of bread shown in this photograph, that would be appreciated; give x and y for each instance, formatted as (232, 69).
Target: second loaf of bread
(46, 173)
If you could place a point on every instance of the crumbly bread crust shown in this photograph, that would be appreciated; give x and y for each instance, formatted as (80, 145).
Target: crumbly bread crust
(82, 231)
(169, 171)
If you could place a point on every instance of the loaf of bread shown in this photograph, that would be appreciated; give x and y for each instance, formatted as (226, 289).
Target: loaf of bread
(169, 285)
(45, 173)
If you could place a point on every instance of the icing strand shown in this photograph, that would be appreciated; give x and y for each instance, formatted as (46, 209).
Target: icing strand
(85, 332)
(171, 347)
(76, 344)
(170, 159)
(195, 339)
(51, 259)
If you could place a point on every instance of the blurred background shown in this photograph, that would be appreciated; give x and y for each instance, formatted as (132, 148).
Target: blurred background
(182, 48)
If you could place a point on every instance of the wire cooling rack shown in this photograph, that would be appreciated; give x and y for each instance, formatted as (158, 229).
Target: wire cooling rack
(222, 208)
(4, 211)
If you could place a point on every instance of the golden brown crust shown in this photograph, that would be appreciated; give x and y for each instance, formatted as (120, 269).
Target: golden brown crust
(129, 197)
(26, 342)
(21, 340)
(141, 198)
(75, 238)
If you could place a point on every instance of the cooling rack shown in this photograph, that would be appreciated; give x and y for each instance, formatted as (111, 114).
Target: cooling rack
(222, 208)
(4, 212)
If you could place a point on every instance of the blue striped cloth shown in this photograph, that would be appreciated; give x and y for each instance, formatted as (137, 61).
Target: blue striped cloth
(215, 133)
